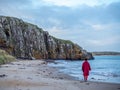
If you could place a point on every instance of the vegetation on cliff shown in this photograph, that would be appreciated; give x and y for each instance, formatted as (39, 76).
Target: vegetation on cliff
(5, 57)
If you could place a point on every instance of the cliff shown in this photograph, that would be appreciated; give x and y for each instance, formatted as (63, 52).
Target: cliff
(27, 41)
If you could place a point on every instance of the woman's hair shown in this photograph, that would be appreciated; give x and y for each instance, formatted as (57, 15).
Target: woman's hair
(86, 59)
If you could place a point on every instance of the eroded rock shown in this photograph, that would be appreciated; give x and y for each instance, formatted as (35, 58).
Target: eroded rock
(27, 41)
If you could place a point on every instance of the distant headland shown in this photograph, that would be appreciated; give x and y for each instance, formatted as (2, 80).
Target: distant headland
(105, 53)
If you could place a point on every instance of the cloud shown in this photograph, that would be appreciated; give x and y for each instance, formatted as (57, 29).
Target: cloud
(60, 32)
(109, 26)
(75, 3)
(14, 1)
(86, 22)
(67, 15)
(104, 42)
(55, 31)
(98, 27)
(69, 3)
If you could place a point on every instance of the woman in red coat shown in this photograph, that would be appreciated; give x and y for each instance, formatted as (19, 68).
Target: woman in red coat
(86, 68)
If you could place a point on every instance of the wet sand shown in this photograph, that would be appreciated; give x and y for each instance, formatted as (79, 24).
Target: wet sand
(37, 75)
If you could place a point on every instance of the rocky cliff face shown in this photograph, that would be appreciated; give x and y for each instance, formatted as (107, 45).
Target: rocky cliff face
(25, 40)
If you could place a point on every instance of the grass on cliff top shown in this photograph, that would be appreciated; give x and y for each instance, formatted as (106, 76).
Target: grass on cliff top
(63, 41)
(5, 57)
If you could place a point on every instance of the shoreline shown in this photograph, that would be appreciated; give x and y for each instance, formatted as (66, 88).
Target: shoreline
(37, 75)
(100, 73)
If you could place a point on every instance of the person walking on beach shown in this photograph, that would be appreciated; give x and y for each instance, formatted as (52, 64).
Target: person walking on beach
(86, 68)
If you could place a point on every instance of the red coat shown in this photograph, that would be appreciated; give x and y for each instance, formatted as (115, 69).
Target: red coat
(86, 68)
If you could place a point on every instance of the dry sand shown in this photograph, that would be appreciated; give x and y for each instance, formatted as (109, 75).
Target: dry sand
(37, 75)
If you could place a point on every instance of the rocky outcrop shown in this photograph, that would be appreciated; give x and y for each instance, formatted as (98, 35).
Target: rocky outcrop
(25, 40)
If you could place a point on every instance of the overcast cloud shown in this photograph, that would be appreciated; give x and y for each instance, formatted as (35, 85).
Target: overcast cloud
(93, 24)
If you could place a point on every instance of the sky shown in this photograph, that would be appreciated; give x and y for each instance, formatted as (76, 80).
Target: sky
(92, 24)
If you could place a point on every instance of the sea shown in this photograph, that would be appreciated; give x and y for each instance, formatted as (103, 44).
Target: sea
(103, 68)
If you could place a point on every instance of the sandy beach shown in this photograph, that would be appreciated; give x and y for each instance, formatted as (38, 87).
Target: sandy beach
(37, 75)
